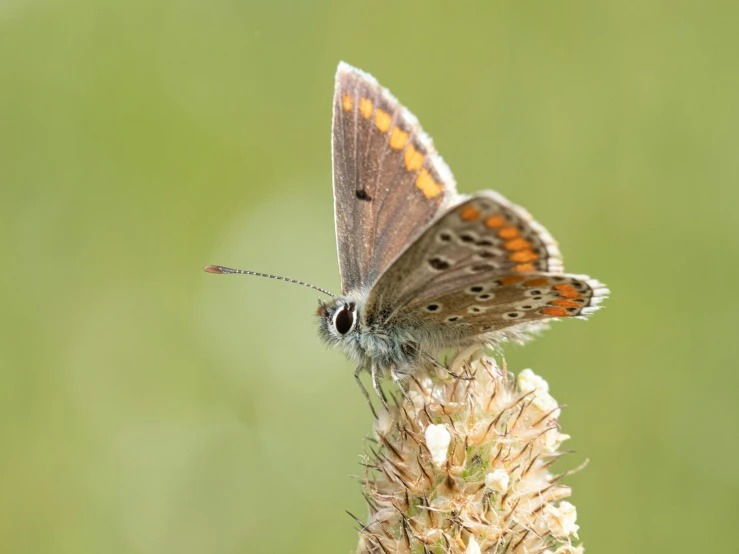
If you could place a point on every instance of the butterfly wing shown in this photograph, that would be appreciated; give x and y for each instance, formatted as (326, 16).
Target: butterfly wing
(482, 267)
(389, 182)
(509, 303)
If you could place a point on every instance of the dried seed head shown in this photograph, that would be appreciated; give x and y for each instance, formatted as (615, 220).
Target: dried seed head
(463, 464)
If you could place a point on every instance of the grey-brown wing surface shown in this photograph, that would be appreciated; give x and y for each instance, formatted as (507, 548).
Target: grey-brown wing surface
(389, 182)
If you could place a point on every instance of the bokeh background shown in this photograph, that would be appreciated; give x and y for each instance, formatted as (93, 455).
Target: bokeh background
(150, 408)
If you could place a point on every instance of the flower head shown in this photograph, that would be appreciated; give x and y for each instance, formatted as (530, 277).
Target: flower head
(463, 465)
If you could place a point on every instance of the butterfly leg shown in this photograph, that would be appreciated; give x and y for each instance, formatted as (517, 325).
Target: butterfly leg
(378, 388)
(396, 378)
(364, 391)
(437, 365)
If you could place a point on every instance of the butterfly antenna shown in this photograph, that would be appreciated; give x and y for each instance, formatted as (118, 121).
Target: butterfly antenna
(220, 270)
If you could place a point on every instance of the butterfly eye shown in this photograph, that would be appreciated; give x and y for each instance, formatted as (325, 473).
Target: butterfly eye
(344, 320)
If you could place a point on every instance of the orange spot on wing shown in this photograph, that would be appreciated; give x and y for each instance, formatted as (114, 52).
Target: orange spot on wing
(469, 213)
(569, 294)
(541, 282)
(517, 244)
(427, 185)
(523, 268)
(365, 107)
(554, 312)
(567, 291)
(565, 303)
(383, 120)
(347, 102)
(510, 279)
(495, 221)
(524, 256)
(509, 232)
(398, 139)
(412, 158)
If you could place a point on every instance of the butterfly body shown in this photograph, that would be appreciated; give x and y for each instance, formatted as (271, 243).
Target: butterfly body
(383, 344)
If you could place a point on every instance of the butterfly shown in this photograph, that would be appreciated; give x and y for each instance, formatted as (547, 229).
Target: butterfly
(423, 268)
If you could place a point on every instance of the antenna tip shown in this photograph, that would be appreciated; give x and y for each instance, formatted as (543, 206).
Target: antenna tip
(214, 269)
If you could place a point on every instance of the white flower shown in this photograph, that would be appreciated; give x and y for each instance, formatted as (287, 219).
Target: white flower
(528, 381)
(545, 402)
(561, 519)
(552, 439)
(497, 480)
(437, 441)
(472, 547)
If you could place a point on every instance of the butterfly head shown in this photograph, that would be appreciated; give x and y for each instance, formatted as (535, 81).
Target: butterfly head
(337, 319)
(340, 323)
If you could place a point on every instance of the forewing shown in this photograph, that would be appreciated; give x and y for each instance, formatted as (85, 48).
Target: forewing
(389, 182)
(481, 239)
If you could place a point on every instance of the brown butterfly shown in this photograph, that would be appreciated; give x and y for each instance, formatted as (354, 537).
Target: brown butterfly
(423, 268)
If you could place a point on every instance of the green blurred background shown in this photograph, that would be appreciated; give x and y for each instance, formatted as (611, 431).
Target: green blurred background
(150, 408)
